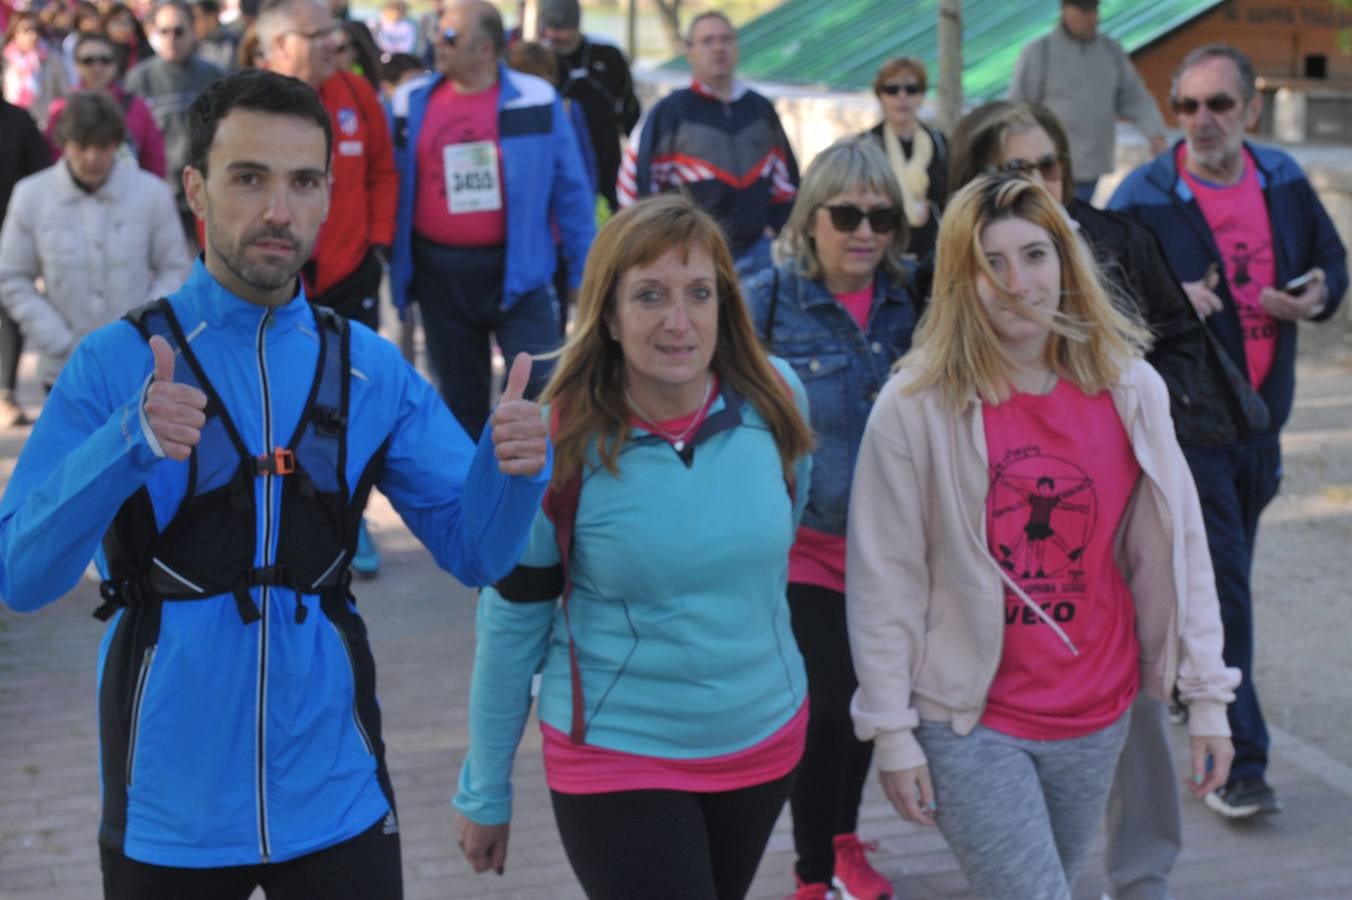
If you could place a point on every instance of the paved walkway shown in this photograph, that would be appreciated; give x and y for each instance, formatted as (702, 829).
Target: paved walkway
(421, 627)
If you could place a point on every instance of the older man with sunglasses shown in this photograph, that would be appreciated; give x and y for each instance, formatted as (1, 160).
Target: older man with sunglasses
(1087, 80)
(169, 82)
(1243, 229)
(489, 168)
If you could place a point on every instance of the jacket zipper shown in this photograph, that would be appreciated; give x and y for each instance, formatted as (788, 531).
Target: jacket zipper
(260, 750)
(356, 718)
(141, 678)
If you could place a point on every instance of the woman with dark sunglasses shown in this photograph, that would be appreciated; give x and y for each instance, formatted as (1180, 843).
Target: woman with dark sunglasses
(127, 32)
(916, 153)
(96, 64)
(1207, 405)
(839, 309)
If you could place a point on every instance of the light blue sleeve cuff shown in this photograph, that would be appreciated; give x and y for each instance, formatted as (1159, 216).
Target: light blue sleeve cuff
(151, 441)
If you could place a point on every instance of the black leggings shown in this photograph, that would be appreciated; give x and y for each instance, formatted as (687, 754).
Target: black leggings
(365, 867)
(11, 348)
(825, 799)
(668, 844)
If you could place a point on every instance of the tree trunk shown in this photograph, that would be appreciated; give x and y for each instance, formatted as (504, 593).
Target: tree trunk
(950, 64)
(670, 14)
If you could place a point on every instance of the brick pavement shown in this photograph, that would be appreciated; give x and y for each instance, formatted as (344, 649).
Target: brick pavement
(421, 627)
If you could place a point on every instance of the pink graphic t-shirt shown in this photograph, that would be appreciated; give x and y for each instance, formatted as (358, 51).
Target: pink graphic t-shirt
(1062, 472)
(460, 199)
(1237, 215)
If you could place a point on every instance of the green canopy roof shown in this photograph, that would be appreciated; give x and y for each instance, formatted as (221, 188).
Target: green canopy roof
(841, 43)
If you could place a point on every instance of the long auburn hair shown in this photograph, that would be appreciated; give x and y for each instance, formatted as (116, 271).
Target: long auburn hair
(588, 385)
(957, 351)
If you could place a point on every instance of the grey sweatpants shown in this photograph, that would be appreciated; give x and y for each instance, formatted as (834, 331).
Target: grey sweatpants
(1145, 824)
(1020, 815)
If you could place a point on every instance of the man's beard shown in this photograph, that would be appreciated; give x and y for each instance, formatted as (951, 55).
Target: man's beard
(256, 275)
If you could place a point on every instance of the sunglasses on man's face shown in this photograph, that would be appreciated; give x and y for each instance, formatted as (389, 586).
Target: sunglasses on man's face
(1217, 103)
(94, 60)
(845, 218)
(892, 90)
(176, 31)
(1047, 167)
(449, 36)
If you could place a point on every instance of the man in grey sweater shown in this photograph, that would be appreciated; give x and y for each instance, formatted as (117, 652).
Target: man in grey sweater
(169, 83)
(1086, 79)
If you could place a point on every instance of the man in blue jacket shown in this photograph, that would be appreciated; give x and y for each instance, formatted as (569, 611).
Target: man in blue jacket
(488, 166)
(1256, 252)
(221, 444)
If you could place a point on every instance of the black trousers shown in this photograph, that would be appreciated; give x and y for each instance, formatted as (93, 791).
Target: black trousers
(11, 348)
(366, 867)
(668, 845)
(357, 297)
(830, 785)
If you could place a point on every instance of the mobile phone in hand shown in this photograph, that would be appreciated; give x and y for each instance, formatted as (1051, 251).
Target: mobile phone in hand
(1297, 285)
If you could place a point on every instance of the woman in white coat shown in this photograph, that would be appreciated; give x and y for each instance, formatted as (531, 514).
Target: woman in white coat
(87, 239)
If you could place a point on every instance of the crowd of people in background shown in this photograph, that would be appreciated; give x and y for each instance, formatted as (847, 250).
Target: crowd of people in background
(914, 460)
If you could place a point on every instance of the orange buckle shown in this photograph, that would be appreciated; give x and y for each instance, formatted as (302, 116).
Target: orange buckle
(281, 461)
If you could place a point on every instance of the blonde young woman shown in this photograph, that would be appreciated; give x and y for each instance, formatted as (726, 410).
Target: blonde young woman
(1026, 552)
(651, 597)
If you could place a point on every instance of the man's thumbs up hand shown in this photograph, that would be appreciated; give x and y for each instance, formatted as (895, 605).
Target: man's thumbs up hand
(174, 411)
(520, 436)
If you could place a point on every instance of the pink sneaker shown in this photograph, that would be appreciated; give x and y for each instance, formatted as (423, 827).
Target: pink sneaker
(855, 879)
(814, 891)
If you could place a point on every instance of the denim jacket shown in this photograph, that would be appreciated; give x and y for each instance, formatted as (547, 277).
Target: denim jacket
(841, 366)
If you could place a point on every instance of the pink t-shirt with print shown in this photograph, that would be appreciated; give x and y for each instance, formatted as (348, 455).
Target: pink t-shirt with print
(1062, 472)
(468, 209)
(1238, 217)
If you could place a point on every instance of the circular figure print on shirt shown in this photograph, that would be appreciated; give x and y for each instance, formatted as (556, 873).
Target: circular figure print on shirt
(1042, 515)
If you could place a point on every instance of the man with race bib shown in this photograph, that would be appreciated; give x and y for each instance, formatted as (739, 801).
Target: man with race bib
(489, 167)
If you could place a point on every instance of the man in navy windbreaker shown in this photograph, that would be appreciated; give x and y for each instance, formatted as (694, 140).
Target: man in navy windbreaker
(1256, 252)
(221, 445)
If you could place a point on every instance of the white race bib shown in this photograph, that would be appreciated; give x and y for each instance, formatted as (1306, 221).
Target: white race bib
(472, 177)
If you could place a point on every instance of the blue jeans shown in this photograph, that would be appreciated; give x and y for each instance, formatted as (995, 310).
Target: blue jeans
(1235, 482)
(459, 293)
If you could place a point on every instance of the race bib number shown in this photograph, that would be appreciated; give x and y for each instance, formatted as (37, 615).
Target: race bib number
(472, 177)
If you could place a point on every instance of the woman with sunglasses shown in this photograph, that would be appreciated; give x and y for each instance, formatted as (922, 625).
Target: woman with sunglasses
(650, 598)
(1026, 552)
(96, 63)
(357, 53)
(839, 309)
(33, 74)
(127, 33)
(917, 153)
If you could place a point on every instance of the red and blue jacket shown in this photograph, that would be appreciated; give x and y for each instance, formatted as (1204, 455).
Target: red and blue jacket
(732, 157)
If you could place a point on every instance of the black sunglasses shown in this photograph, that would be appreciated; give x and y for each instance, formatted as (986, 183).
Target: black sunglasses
(845, 218)
(94, 60)
(449, 36)
(1217, 103)
(1048, 167)
(892, 90)
(176, 31)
